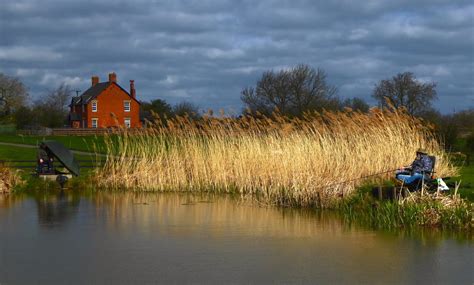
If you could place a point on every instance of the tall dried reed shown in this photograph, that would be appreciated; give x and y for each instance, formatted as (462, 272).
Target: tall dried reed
(299, 162)
(9, 179)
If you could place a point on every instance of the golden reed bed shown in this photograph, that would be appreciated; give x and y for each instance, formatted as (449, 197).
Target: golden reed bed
(299, 162)
(8, 179)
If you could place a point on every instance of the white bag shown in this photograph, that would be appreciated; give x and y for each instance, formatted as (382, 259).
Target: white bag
(442, 185)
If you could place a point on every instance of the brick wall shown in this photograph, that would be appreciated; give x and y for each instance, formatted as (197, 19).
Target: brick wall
(110, 109)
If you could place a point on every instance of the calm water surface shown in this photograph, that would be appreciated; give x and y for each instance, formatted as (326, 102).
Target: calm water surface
(123, 238)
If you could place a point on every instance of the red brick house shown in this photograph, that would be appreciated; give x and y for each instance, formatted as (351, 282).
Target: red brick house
(104, 105)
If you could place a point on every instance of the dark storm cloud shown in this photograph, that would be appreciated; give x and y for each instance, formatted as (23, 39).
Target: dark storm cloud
(207, 51)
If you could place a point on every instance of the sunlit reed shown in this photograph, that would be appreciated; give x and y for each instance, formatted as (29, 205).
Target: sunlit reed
(278, 160)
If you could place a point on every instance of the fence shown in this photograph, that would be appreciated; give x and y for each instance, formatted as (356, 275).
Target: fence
(72, 131)
(63, 132)
(79, 132)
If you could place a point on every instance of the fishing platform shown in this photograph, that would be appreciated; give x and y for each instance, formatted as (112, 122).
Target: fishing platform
(55, 162)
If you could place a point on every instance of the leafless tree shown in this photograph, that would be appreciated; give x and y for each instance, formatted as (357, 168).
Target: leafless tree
(51, 110)
(13, 94)
(292, 92)
(59, 98)
(403, 90)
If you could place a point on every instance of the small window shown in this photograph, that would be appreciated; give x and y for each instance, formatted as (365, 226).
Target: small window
(94, 106)
(94, 123)
(83, 108)
(126, 106)
(127, 122)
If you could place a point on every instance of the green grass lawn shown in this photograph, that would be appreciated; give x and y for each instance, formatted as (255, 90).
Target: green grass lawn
(82, 143)
(9, 153)
(21, 153)
(7, 128)
(466, 177)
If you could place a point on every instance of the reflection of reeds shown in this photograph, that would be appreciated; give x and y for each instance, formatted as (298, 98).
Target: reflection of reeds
(220, 215)
(281, 161)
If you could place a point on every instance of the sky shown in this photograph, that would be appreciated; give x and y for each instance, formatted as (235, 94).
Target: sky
(206, 52)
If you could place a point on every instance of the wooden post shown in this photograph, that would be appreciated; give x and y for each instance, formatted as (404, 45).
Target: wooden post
(422, 185)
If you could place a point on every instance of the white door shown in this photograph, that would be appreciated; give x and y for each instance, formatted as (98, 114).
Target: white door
(127, 122)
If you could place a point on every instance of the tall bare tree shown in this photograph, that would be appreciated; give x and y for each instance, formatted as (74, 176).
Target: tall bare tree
(13, 95)
(51, 109)
(292, 92)
(403, 90)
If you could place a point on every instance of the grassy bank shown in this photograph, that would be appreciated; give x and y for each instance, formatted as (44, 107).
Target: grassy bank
(283, 161)
(20, 153)
(428, 210)
(21, 179)
(467, 182)
(316, 161)
(81, 143)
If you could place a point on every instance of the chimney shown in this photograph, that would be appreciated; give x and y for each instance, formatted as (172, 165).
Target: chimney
(95, 80)
(112, 77)
(132, 89)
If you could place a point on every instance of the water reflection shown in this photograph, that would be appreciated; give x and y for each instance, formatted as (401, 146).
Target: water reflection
(55, 210)
(182, 238)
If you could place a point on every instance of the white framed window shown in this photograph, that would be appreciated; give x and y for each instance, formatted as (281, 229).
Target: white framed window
(128, 122)
(126, 106)
(94, 106)
(83, 108)
(95, 123)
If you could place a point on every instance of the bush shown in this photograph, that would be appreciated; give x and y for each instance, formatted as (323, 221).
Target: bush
(470, 143)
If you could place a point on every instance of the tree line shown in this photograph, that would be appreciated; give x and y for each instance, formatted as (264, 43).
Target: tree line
(291, 92)
(51, 109)
(303, 89)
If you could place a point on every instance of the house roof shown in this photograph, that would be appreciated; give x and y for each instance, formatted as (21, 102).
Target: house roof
(75, 100)
(93, 92)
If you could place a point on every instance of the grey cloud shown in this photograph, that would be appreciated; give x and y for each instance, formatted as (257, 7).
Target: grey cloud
(207, 51)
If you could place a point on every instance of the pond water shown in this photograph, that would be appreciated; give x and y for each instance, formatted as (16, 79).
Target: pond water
(123, 238)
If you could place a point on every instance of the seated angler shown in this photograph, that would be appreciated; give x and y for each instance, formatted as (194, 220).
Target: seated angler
(421, 166)
(45, 160)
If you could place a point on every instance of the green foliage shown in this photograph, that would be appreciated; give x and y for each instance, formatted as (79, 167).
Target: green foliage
(422, 212)
(82, 143)
(24, 117)
(156, 108)
(356, 104)
(186, 109)
(449, 133)
(7, 129)
(456, 131)
(466, 189)
(470, 143)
